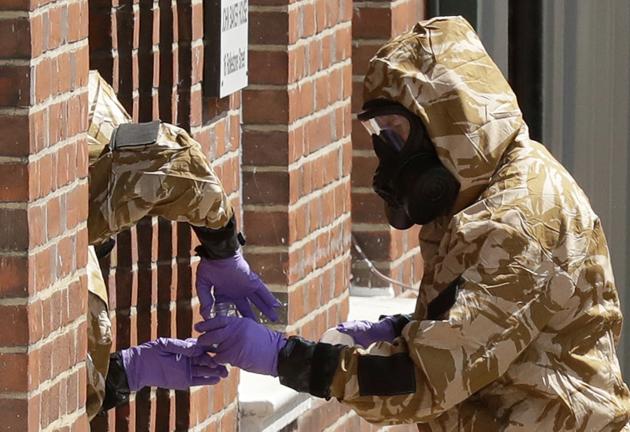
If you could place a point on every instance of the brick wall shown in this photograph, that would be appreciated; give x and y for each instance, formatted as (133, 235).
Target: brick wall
(395, 253)
(43, 208)
(297, 157)
(152, 53)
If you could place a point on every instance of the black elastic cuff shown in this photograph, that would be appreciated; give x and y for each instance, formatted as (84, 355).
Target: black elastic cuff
(308, 367)
(386, 376)
(116, 386)
(400, 321)
(218, 243)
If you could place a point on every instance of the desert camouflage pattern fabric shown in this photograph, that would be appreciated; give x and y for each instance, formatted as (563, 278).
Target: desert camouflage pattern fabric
(105, 114)
(530, 342)
(99, 335)
(170, 177)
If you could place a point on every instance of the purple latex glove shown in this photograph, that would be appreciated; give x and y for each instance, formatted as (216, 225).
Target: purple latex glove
(233, 282)
(242, 342)
(365, 333)
(171, 364)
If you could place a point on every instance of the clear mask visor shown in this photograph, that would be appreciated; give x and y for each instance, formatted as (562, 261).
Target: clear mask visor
(394, 122)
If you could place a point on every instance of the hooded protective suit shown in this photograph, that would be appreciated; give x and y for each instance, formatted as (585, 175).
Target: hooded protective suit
(529, 342)
(153, 169)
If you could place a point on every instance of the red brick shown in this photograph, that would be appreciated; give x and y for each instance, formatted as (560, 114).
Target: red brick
(14, 178)
(74, 207)
(270, 27)
(296, 143)
(19, 5)
(20, 414)
(16, 38)
(347, 81)
(45, 266)
(15, 86)
(77, 294)
(298, 224)
(276, 228)
(266, 187)
(271, 267)
(77, 116)
(14, 131)
(20, 325)
(305, 99)
(66, 163)
(318, 133)
(234, 131)
(343, 44)
(268, 67)
(14, 273)
(405, 15)
(266, 106)
(346, 159)
(320, 15)
(77, 16)
(345, 10)
(265, 148)
(14, 236)
(313, 55)
(322, 92)
(336, 83)
(14, 373)
(82, 247)
(66, 249)
(307, 11)
(372, 23)
(297, 63)
(315, 212)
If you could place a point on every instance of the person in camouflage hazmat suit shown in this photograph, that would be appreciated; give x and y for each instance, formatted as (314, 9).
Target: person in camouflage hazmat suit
(518, 316)
(156, 169)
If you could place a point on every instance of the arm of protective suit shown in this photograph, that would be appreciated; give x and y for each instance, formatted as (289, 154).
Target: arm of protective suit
(157, 169)
(508, 292)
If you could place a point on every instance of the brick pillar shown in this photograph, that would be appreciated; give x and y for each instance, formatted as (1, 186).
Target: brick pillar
(152, 53)
(43, 208)
(395, 253)
(297, 156)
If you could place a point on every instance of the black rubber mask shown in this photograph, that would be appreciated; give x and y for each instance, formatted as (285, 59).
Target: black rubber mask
(410, 178)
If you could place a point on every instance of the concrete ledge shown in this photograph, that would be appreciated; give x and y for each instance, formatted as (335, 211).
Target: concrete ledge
(371, 292)
(265, 405)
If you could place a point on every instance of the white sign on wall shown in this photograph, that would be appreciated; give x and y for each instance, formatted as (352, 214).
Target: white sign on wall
(226, 40)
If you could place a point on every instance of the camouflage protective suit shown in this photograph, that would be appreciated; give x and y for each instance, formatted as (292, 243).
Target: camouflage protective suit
(529, 342)
(160, 173)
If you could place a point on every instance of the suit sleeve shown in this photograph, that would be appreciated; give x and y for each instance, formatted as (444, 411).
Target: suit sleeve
(154, 169)
(508, 293)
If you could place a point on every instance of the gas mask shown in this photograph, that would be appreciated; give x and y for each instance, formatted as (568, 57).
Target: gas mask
(410, 178)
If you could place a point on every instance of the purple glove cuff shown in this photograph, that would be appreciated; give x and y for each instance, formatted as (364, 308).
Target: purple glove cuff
(170, 363)
(133, 376)
(280, 342)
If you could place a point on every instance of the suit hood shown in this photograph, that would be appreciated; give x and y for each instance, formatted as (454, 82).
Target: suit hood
(441, 72)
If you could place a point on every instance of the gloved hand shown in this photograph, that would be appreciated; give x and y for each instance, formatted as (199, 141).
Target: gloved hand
(171, 364)
(233, 282)
(242, 342)
(365, 333)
